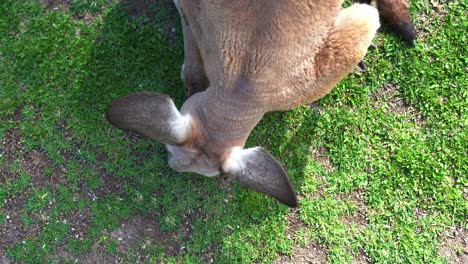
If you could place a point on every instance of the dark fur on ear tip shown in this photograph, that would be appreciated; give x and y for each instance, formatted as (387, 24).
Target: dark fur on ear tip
(394, 13)
(262, 173)
(291, 202)
(406, 31)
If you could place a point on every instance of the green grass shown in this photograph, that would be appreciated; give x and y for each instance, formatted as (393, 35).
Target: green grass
(404, 153)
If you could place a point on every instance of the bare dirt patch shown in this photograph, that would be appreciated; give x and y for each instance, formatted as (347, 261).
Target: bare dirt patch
(57, 4)
(3, 259)
(134, 234)
(133, 230)
(109, 185)
(361, 258)
(35, 163)
(358, 218)
(65, 130)
(97, 254)
(388, 96)
(312, 253)
(293, 223)
(356, 199)
(424, 21)
(42, 173)
(320, 155)
(87, 17)
(11, 150)
(454, 245)
(11, 231)
(11, 143)
(317, 107)
(79, 222)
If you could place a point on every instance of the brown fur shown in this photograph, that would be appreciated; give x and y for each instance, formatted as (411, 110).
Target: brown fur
(243, 59)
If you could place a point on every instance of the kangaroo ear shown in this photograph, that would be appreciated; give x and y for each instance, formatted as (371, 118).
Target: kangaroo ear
(151, 114)
(256, 169)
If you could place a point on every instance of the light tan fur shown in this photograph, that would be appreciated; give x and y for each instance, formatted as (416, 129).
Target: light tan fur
(245, 58)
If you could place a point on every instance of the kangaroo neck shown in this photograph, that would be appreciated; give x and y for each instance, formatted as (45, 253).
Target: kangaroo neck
(223, 116)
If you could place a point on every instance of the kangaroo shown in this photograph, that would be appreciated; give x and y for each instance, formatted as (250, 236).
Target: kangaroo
(243, 59)
(395, 14)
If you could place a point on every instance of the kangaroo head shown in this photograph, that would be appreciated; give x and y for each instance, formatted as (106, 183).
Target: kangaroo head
(291, 54)
(194, 146)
